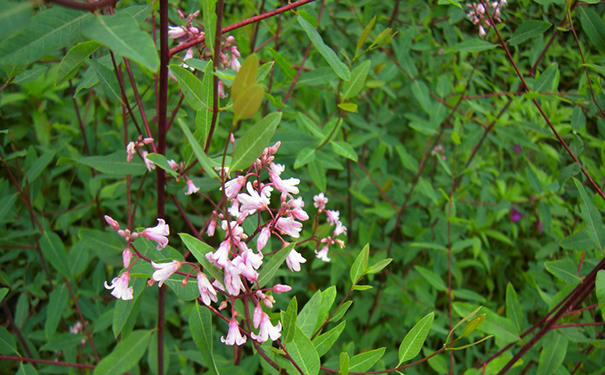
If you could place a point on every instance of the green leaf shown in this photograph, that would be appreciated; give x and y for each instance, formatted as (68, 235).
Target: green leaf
(200, 326)
(365, 361)
(73, 59)
(199, 250)
(115, 164)
(303, 353)
(564, 269)
(191, 87)
(547, 79)
(56, 306)
(344, 363)
(13, 16)
(270, 267)
(288, 320)
(48, 32)
(305, 156)
(577, 241)
(125, 355)
(472, 45)
(344, 149)
(414, 340)
(472, 325)
(348, 107)
(198, 151)
(338, 66)
(283, 64)
(108, 80)
(248, 102)
(361, 288)
(360, 265)
(421, 92)
(433, 279)
(353, 86)
(599, 287)
(54, 251)
(364, 34)
(324, 342)
(8, 345)
(307, 317)
(318, 175)
(26, 369)
(594, 27)
(592, 217)
(379, 266)
(553, 353)
(127, 309)
(528, 30)
(342, 310)
(208, 8)
(252, 144)
(514, 311)
(245, 78)
(3, 293)
(121, 33)
(597, 68)
(40, 165)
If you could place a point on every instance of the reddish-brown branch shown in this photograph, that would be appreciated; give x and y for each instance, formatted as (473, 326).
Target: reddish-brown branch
(237, 25)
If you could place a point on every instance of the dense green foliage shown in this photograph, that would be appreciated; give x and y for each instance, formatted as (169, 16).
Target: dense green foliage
(473, 161)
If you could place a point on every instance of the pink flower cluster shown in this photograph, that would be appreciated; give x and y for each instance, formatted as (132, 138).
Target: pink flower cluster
(477, 14)
(133, 147)
(334, 220)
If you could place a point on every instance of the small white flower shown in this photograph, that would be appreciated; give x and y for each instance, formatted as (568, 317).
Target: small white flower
(158, 234)
(120, 287)
(294, 260)
(207, 291)
(164, 271)
(234, 337)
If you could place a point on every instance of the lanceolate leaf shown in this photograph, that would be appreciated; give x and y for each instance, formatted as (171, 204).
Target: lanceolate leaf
(365, 361)
(200, 325)
(191, 87)
(198, 151)
(344, 149)
(360, 265)
(121, 34)
(353, 86)
(48, 32)
(245, 78)
(125, 355)
(252, 144)
(594, 27)
(115, 164)
(108, 80)
(592, 217)
(74, 58)
(288, 320)
(528, 30)
(56, 307)
(304, 354)
(338, 66)
(412, 342)
(269, 269)
(600, 289)
(54, 251)
(553, 353)
(13, 16)
(246, 105)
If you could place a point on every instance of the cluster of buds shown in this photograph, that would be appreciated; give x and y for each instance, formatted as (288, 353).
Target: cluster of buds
(133, 147)
(184, 32)
(439, 150)
(333, 218)
(477, 14)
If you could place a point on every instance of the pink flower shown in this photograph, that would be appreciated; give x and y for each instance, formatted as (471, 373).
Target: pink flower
(294, 260)
(289, 226)
(233, 281)
(220, 257)
(234, 337)
(297, 209)
(233, 187)
(130, 150)
(245, 269)
(211, 228)
(120, 287)
(191, 188)
(158, 234)
(173, 164)
(323, 254)
(253, 200)
(207, 291)
(333, 216)
(267, 330)
(320, 201)
(263, 237)
(112, 223)
(175, 32)
(340, 229)
(148, 162)
(221, 90)
(188, 55)
(280, 288)
(164, 271)
(235, 64)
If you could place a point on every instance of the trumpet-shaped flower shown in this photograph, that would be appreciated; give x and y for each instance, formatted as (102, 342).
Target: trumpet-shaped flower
(289, 226)
(158, 234)
(164, 271)
(207, 291)
(266, 330)
(253, 200)
(234, 337)
(191, 188)
(120, 287)
(262, 239)
(320, 201)
(294, 260)
(323, 254)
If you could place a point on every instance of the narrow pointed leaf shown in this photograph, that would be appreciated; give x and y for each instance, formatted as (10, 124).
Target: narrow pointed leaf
(191, 87)
(353, 86)
(252, 144)
(54, 251)
(288, 320)
(360, 265)
(344, 363)
(324, 342)
(200, 325)
(412, 342)
(199, 250)
(108, 80)
(121, 33)
(246, 105)
(56, 307)
(73, 59)
(365, 361)
(303, 352)
(600, 290)
(591, 216)
(269, 269)
(246, 77)
(125, 355)
(553, 353)
(198, 151)
(338, 66)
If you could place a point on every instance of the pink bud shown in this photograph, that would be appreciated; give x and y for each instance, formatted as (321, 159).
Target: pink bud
(263, 237)
(280, 288)
(112, 223)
